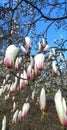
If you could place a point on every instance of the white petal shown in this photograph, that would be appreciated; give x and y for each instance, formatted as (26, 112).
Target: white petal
(42, 100)
(59, 105)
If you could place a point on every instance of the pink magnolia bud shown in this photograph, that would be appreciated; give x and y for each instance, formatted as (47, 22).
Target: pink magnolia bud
(61, 108)
(24, 50)
(42, 100)
(35, 70)
(22, 82)
(32, 61)
(20, 60)
(14, 107)
(25, 109)
(25, 77)
(53, 52)
(43, 43)
(61, 57)
(8, 62)
(46, 48)
(54, 67)
(1, 91)
(19, 116)
(39, 47)
(18, 63)
(29, 70)
(39, 60)
(33, 95)
(15, 116)
(28, 42)
(50, 55)
(4, 82)
(13, 87)
(10, 55)
(32, 74)
(4, 123)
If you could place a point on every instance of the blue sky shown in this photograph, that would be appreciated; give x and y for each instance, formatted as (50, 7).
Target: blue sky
(52, 33)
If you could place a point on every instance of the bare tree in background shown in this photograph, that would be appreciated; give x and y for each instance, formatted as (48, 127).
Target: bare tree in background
(19, 18)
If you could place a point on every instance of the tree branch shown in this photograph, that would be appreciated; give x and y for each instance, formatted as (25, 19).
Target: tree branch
(43, 16)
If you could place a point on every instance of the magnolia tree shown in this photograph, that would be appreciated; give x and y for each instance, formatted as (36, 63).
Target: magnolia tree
(22, 71)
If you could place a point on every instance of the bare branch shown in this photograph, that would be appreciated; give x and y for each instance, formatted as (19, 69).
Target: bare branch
(46, 17)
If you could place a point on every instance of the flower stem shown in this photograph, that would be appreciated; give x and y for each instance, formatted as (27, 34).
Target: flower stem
(43, 114)
(64, 128)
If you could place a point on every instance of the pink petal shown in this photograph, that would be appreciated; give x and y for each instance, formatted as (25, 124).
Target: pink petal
(65, 123)
(7, 62)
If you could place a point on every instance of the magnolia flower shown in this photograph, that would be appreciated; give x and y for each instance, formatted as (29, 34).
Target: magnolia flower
(20, 60)
(42, 100)
(13, 87)
(54, 67)
(22, 82)
(10, 55)
(39, 60)
(33, 95)
(28, 42)
(16, 78)
(61, 108)
(19, 116)
(14, 107)
(32, 74)
(25, 109)
(43, 42)
(39, 47)
(4, 82)
(24, 50)
(32, 61)
(1, 91)
(50, 55)
(4, 123)
(29, 70)
(18, 63)
(15, 116)
(46, 48)
(25, 77)
(53, 52)
(61, 57)
(35, 70)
